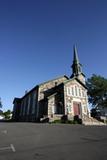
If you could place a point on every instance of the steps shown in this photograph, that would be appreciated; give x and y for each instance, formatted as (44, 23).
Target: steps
(86, 120)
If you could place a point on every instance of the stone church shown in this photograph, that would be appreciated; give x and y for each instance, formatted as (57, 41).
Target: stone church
(55, 98)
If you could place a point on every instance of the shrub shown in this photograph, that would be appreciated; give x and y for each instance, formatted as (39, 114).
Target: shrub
(65, 122)
(57, 121)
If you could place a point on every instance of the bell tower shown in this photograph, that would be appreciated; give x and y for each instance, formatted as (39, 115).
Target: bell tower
(77, 67)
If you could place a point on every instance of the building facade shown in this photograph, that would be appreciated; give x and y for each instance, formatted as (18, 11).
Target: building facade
(55, 98)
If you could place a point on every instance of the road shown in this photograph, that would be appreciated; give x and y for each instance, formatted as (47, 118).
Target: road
(31, 141)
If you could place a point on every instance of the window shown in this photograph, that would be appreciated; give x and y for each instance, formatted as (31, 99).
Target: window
(24, 106)
(21, 110)
(76, 91)
(83, 93)
(34, 100)
(28, 105)
(73, 91)
(79, 92)
(68, 91)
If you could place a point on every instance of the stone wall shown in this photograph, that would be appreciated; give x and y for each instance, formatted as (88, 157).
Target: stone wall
(48, 85)
(51, 105)
(43, 91)
(71, 96)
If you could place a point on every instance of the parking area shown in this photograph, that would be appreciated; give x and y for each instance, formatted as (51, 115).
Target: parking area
(31, 141)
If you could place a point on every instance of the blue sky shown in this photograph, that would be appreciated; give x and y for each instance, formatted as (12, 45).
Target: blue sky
(37, 38)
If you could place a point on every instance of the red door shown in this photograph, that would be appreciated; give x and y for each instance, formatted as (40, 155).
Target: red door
(76, 107)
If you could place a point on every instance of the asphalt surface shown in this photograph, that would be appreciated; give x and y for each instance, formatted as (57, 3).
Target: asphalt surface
(30, 141)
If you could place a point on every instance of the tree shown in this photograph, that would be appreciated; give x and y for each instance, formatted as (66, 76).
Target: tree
(0, 103)
(97, 90)
(7, 114)
(1, 112)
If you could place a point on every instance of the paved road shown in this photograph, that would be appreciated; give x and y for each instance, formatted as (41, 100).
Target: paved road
(30, 141)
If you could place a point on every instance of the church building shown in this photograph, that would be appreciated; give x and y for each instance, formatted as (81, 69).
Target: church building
(55, 98)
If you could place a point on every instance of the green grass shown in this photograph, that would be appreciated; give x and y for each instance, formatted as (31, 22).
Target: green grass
(58, 121)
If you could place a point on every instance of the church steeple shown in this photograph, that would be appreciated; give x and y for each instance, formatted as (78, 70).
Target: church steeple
(76, 66)
(76, 59)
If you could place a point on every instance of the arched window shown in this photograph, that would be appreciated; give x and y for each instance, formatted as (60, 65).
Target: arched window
(28, 109)
(34, 101)
(83, 93)
(72, 90)
(24, 106)
(79, 92)
(76, 94)
(68, 91)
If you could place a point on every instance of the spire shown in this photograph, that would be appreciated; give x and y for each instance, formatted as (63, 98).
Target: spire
(76, 66)
(76, 59)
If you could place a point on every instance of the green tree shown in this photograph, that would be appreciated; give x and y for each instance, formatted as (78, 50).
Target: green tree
(7, 114)
(1, 112)
(0, 103)
(97, 90)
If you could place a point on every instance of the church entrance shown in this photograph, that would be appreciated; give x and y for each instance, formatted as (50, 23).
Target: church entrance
(76, 108)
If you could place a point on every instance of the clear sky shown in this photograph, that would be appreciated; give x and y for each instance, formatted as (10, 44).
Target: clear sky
(37, 38)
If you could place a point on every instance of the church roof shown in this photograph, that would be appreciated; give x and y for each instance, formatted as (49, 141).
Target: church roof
(53, 80)
(37, 86)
